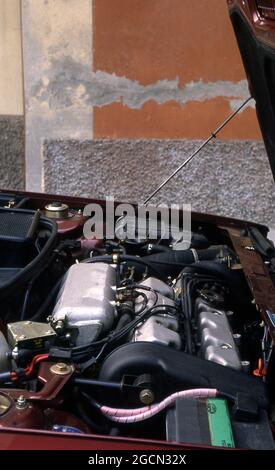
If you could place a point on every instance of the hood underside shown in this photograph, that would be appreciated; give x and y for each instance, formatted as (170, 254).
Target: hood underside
(256, 40)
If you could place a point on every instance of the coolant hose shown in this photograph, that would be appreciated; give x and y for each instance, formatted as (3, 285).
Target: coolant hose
(170, 262)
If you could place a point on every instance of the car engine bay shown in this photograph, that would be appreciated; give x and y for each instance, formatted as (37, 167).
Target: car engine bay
(132, 338)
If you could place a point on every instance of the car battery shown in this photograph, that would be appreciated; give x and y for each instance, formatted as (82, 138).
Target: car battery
(200, 421)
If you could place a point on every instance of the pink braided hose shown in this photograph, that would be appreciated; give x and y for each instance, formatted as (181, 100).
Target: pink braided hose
(139, 414)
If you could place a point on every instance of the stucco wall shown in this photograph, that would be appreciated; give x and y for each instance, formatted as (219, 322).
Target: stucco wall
(227, 178)
(12, 154)
(57, 45)
(11, 97)
(107, 82)
(11, 80)
(170, 68)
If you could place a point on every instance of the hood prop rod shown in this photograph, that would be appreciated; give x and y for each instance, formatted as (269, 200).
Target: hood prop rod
(213, 135)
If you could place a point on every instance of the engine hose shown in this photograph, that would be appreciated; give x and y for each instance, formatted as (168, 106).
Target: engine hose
(21, 203)
(261, 243)
(124, 319)
(82, 411)
(175, 259)
(50, 298)
(167, 262)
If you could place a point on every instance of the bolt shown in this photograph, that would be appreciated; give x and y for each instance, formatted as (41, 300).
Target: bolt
(59, 326)
(229, 313)
(61, 368)
(15, 353)
(115, 259)
(217, 312)
(237, 338)
(146, 396)
(226, 346)
(21, 403)
(237, 335)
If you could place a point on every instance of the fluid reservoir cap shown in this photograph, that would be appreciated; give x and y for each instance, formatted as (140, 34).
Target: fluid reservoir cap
(57, 210)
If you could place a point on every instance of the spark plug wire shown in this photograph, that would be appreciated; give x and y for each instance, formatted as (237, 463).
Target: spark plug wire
(28, 371)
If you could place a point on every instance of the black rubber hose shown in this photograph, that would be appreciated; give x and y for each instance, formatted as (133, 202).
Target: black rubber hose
(30, 287)
(26, 301)
(172, 261)
(155, 248)
(165, 263)
(199, 240)
(124, 319)
(212, 252)
(21, 203)
(261, 243)
(172, 257)
(97, 384)
(49, 299)
(186, 256)
(187, 320)
(82, 411)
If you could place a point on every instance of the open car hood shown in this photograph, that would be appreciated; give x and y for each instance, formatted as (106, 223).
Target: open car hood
(254, 26)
